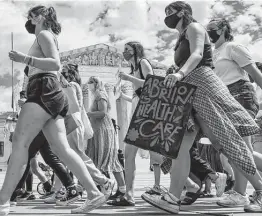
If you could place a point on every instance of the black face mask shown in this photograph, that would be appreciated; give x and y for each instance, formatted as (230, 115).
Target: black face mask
(172, 21)
(127, 55)
(30, 27)
(214, 36)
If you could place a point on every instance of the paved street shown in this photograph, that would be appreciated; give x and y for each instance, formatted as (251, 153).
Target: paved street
(144, 178)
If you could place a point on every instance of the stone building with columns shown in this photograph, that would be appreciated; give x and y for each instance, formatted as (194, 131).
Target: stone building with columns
(104, 61)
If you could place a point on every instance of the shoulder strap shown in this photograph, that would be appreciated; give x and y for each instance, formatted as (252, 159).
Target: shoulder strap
(140, 68)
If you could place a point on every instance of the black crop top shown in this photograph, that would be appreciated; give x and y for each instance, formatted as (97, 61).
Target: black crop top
(182, 53)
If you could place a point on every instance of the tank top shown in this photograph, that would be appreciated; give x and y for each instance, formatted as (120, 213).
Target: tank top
(182, 53)
(141, 76)
(36, 51)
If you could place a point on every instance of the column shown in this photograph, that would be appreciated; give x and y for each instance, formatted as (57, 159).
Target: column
(112, 100)
(124, 109)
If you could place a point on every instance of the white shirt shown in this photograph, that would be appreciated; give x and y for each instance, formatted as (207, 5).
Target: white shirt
(258, 93)
(229, 60)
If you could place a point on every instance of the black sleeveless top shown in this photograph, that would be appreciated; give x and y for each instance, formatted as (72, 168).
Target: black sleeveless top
(139, 90)
(182, 53)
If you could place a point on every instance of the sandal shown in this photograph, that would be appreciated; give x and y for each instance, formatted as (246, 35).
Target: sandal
(121, 201)
(206, 194)
(191, 197)
(156, 190)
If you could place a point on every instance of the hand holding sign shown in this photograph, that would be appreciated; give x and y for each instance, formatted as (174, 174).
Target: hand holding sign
(171, 79)
(161, 116)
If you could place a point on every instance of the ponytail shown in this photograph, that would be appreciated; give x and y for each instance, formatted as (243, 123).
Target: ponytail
(51, 21)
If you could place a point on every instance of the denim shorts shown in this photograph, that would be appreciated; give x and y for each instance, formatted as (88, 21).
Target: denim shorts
(45, 90)
(245, 94)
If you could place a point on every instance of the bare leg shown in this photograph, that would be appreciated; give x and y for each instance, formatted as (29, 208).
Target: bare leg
(226, 165)
(130, 170)
(31, 120)
(208, 186)
(55, 133)
(95, 173)
(157, 174)
(255, 180)
(37, 171)
(178, 180)
(120, 179)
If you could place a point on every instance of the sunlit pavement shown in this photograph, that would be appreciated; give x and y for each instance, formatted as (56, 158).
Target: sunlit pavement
(144, 178)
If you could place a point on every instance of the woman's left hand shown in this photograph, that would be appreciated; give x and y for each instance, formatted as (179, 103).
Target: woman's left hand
(171, 79)
(123, 76)
(17, 56)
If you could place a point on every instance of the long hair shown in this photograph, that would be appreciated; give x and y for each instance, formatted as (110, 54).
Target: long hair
(99, 89)
(50, 17)
(138, 53)
(73, 73)
(188, 12)
(223, 23)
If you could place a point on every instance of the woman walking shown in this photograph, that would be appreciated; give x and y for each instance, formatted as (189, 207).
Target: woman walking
(233, 65)
(102, 147)
(220, 117)
(44, 110)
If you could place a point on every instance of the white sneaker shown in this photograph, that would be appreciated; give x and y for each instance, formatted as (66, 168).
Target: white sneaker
(4, 209)
(255, 205)
(166, 202)
(90, 205)
(56, 196)
(13, 203)
(221, 184)
(108, 187)
(234, 199)
(155, 190)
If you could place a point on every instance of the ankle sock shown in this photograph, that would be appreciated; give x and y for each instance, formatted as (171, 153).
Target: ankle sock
(122, 189)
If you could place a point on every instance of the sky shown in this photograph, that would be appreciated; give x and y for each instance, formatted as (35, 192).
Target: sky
(114, 23)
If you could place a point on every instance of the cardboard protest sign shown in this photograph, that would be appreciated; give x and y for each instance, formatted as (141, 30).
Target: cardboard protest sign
(160, 119)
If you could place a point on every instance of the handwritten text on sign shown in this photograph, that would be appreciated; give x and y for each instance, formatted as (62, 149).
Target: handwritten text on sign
(161, 116)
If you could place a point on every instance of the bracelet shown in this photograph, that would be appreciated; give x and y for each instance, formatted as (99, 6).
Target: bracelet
(181, 73)
(26, 56)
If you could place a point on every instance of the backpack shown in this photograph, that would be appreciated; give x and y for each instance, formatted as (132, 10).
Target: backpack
(139, 90)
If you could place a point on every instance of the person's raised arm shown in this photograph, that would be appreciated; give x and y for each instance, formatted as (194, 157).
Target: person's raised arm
(138, 82)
